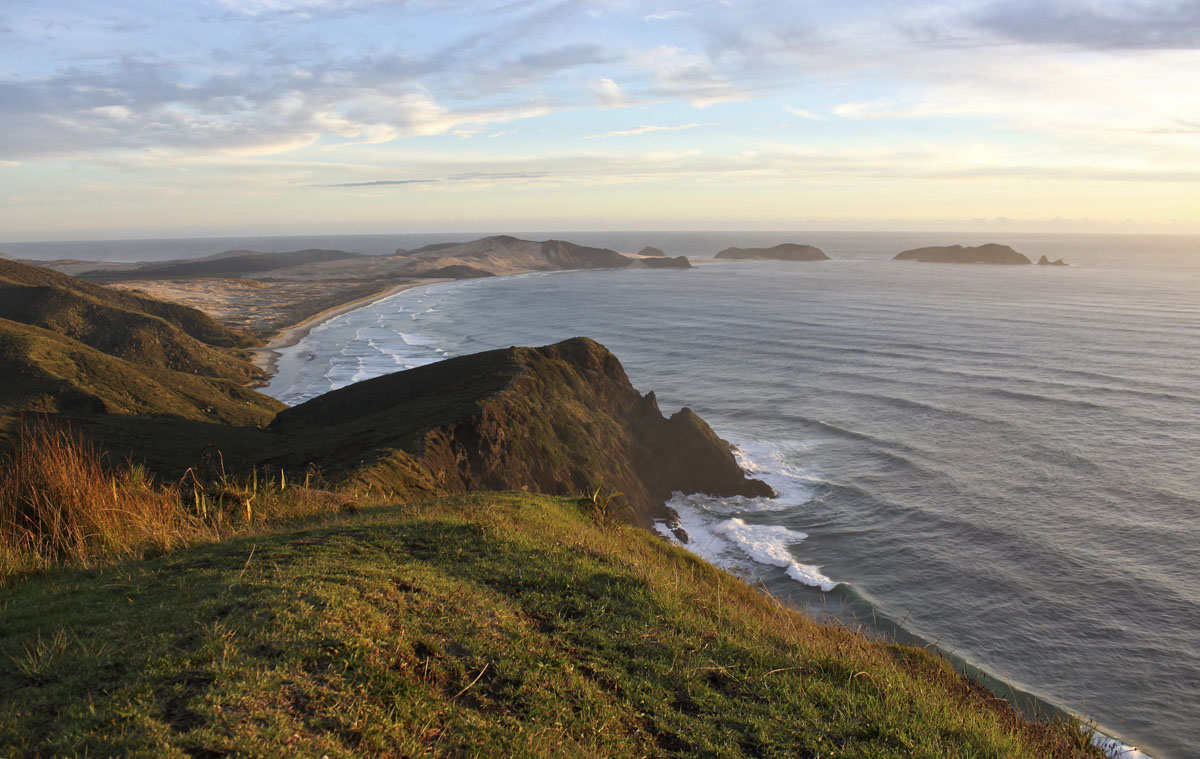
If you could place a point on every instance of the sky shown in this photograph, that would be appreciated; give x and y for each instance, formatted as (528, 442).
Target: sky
(139, 118)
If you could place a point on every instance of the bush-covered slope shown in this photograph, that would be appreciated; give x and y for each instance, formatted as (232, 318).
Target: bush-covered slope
(139, 329)
(481, 626)
(45, 372)
(562, 420)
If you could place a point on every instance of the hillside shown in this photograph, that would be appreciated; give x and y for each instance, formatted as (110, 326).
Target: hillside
(990, 253)
(123, 324)
(231, 263)
(490, 625)
(45, 372)
(501, 254)
(562, 419)
(85, 351)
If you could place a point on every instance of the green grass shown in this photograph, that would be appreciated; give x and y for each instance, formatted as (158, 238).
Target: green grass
(485, 625)
(46, 372)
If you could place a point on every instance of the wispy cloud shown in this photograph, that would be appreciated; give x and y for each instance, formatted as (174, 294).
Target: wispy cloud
(643, 129)
(665, 15)
(802, 113)
(473, 177)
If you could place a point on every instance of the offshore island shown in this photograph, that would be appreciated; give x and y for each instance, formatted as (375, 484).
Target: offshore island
(445, 561)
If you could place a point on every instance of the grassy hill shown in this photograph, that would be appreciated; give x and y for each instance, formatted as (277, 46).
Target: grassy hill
(120, 362)
(45, 372)
(140, 329)
(488, 625)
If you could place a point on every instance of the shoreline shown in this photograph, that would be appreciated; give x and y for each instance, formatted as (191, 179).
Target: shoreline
(1031, 704)
(266, 356)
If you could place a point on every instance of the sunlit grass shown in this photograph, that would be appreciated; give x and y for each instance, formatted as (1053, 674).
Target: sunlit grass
(62, 502)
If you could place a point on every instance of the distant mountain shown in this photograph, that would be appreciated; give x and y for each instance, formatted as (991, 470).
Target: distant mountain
(786, 252)
(500, 254)
(231, 263)
(1043, 261)
(651, 251)
(990, 253)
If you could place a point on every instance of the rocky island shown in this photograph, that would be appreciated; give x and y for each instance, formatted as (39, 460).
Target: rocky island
(991, 253)
(1043, 261)
(785, 252)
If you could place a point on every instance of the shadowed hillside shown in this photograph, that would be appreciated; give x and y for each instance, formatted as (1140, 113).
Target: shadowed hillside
(561, 420)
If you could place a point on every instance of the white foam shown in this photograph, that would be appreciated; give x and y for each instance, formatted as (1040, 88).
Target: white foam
(717, 532)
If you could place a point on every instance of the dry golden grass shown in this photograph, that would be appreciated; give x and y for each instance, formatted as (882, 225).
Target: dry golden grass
(63, 503)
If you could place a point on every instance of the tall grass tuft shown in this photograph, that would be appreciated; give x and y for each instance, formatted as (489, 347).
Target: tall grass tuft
(59, 503)
(62, 502)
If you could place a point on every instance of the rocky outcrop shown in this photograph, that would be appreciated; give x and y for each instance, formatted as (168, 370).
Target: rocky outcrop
(561, 420)
(1043, 261)
(785, 252)
(651, 251)
(990, 253)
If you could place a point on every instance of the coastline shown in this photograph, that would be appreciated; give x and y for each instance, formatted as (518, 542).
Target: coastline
(266, 356)
(1026, 701)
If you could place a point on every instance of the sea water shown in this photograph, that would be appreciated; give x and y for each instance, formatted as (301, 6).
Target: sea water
(1002, 460)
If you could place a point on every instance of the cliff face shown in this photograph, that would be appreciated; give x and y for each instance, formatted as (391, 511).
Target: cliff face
(990, 253)
(786, 252)
(560, 420)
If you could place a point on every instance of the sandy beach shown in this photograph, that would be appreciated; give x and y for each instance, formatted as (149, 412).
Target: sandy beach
(266, 357)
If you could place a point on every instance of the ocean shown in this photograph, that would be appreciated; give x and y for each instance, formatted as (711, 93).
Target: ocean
(1002, 461)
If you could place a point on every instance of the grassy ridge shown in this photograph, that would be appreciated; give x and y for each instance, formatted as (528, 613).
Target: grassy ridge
(489, 625)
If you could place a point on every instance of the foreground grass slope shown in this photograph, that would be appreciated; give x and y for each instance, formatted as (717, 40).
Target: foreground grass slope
(485, 625)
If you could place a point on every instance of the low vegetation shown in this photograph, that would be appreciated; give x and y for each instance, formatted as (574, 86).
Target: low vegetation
(63, 503)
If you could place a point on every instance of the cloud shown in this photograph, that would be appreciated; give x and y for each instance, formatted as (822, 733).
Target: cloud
(471, 177)
(1101, 25)
(609, 94)
(643, 129)
(665, 15)
(680, 74)
(801, 113)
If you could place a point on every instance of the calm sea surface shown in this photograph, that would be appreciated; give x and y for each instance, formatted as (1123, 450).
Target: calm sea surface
(1003, 460)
